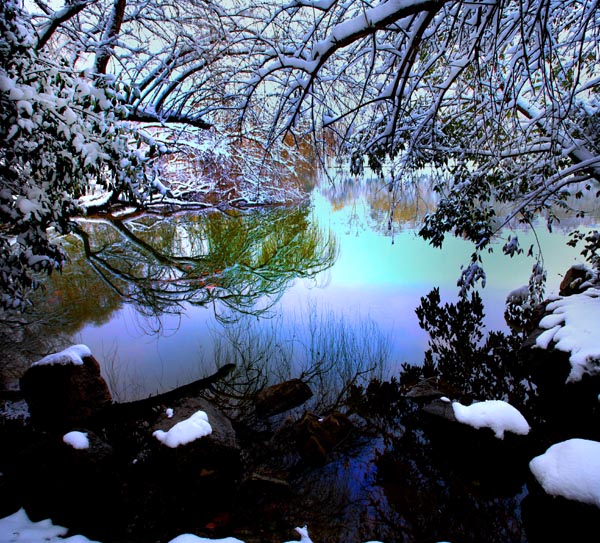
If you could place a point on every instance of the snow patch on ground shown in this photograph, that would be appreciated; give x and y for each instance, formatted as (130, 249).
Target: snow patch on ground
(495, 414)
(570, 469)
(77, 440)
(71, 355)
(17, 528)
(304, 537)
(190, 538)
(186, 431)
(572, 326)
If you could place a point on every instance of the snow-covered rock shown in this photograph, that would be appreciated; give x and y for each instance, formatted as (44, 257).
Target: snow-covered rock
(196, 416)
(17, 528)
(190, 538)
(570, 469)
(494, 414)
(571, 326)
(185, 431)
(65, 389)
(497, 415)
(71, 355)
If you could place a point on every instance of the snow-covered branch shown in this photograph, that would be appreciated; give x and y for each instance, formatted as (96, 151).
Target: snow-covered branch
(58, 18)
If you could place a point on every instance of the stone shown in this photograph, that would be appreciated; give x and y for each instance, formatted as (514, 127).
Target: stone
(65, 393)
(424, 390)
(215, 456)
(222, 433)
(575, 279)
(441, 409)
(282, 397)
(318, 436)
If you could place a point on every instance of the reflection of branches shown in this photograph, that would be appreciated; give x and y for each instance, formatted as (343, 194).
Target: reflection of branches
(332, 356)
(461, 355)
(233, 260)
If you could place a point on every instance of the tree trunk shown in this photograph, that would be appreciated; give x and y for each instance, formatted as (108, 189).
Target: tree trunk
(112, 29)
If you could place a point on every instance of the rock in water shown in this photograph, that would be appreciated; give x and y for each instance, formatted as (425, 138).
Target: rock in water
(282, 397)
(65, 389)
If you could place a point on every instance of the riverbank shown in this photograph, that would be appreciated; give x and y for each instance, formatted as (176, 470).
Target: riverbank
(397, 462)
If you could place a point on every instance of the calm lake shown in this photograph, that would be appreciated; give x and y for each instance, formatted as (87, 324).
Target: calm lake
(163, 300)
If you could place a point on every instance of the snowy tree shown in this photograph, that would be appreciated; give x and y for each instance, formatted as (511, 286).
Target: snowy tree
(500, 98)
(497, 98)
(87, 94)
(59, 132)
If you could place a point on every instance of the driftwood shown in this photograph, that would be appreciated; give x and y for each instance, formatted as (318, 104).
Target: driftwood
(146, 406)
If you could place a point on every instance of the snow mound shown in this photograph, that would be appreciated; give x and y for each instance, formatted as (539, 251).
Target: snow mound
(186, 431)
(570, 469)
(495, 414)
(190, 538)
(77, 440)
(17, 528)
(304, 537)
(572, 326)
(71, 355)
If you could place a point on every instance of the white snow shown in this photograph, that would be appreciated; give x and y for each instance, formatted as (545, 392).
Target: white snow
(17, 528)
(186, 431)
(169, 413)
(518, 295)
(77, 440)
(71, 355)
(495, 414)
(304, 537)
(573, 327)
(570, 469)
(190, 538)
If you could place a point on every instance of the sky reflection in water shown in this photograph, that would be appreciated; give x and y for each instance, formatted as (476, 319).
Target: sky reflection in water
(372, 278)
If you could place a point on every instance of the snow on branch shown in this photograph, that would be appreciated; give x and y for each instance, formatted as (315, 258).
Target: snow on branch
(69, 11)
(148, 117)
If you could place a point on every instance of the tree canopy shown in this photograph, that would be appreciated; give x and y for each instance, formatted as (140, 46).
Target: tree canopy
(497, 100)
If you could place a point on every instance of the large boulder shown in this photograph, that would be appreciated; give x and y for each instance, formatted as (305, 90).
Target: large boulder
(561, 356)
(65, 389)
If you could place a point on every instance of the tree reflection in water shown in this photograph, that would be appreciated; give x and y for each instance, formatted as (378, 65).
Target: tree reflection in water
(237, 261)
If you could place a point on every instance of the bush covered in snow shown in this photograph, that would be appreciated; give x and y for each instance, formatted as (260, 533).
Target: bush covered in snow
(60, 131)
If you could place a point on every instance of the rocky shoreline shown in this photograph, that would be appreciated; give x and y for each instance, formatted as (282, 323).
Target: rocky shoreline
(252, 476)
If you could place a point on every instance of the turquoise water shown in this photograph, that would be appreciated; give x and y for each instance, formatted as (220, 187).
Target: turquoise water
(365, 290)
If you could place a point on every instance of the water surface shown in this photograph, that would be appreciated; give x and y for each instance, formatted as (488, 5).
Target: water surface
(161, 300)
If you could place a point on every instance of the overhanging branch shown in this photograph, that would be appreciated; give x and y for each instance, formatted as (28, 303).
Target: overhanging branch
(147, 117)
(59, 17)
